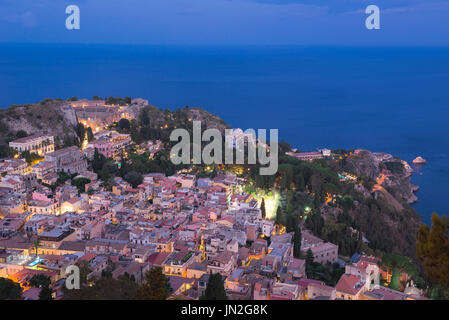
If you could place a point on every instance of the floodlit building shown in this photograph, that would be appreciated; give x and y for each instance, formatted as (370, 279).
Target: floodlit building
(39, 143)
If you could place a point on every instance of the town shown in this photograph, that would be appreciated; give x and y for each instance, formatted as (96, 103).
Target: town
(56, 211)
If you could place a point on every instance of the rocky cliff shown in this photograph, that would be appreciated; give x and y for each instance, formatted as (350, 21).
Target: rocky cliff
(49, 116)
(390, 174)
(382, 210)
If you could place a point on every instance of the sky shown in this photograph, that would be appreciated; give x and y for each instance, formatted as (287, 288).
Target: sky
(227, 22)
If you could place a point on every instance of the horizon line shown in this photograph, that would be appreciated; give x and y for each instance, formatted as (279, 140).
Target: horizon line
(231, 45)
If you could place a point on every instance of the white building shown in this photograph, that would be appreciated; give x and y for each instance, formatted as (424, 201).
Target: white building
(39, 143)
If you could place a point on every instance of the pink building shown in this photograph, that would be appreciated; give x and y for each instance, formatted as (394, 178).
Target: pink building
(39, 196)
(104, 147)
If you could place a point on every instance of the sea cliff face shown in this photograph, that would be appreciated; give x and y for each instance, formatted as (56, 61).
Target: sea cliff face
(383, 210)
(392, 173)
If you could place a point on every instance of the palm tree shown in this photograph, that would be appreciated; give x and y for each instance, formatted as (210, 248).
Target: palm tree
(36, 244)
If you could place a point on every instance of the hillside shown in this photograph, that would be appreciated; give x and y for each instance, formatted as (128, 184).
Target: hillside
(382, 210)
(183, 118)
(49, 117)
(59, 119)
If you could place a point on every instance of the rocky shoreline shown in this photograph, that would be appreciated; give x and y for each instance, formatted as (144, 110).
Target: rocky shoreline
(392, 174)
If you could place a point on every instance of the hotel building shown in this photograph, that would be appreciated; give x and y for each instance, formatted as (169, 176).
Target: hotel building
(39, 143)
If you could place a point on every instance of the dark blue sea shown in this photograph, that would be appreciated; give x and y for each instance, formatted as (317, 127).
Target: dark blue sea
(394, 100)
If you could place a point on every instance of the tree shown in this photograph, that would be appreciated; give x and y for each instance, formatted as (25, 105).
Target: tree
(80, 131)
(309, 257)
(105, 288)
(135, 134)
(21, 134)
(215, 288)
(110, 100)
(6, 152)
(297, 239)
(316, 201)
(144, 117)
(433, 250)
(90, 134)
(123, 168)
(31, 157)
(36, 244)
(124, 124)
(39, 281)
(45, 294)
(292, 222)
(9, 290)
(134, 178)
(279, 217)
(98, 161)
(310, 265)
(84, 271)
(299, 182)
(284, 147)
(156, 287)
(80, 183)
(262, 208)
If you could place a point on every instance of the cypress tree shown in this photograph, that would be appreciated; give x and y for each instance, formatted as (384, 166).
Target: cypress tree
(297, 238)
(156, 286)
(215, 288)
(279, 215)
(262, 208)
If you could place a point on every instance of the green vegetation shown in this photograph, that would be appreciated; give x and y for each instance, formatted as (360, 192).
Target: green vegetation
(123, 126)
(134, 166)
(262, 208)
(395, 167)
(43, 282)
(297, 239)
(215, 288)
(39, 281)
(157, 124)
(156, 287)
(9, 290)
(105, 288)
(45, 294)
(306, 186)
(329, 274)
(31, 157)
(6, 151)
(395, 279)
(118, 101)
(80, 183)
(62, 178)
(80, 131)
(433, 252)
(402, 263)
(187, 257)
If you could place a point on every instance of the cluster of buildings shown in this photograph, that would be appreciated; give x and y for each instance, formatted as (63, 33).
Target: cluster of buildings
(190, 227)
(109, 143)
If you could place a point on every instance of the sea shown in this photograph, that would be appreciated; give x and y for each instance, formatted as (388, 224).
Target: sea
(384, 99)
